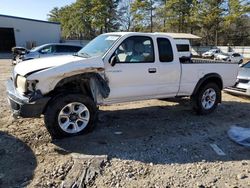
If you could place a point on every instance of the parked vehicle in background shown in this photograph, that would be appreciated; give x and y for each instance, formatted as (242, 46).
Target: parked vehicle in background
(242, 85)
(47, 50)
(231, 57)
(211, 53)
(113, 68)
(183, 48)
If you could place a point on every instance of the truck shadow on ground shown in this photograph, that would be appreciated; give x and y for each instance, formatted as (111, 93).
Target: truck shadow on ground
(17, 162)
(164, 134)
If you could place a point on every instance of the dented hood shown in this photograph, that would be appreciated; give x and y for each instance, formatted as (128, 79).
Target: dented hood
(39, 64)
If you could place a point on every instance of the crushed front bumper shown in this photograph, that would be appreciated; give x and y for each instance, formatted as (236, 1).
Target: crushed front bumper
(21, 105)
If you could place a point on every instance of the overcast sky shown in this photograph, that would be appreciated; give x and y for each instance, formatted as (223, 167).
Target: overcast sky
(35, 9)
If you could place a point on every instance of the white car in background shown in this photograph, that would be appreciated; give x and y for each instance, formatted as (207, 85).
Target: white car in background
(48, 50)
(231, 57)
(211, 53)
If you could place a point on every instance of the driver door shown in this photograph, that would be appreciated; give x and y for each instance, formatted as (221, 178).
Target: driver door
(134, 75)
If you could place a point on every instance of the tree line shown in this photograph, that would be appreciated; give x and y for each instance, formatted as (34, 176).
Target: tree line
(218, 22)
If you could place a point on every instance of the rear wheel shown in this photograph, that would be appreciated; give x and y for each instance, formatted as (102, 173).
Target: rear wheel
(207, 99)
(70, 115)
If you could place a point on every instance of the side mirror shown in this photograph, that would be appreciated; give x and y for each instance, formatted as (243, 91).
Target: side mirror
(113, 61)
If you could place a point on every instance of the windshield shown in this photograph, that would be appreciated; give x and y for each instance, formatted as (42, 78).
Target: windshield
(247, 65)
(34, 49)
(98, 46)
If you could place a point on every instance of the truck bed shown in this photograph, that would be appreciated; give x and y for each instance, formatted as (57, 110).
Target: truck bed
(195, 69)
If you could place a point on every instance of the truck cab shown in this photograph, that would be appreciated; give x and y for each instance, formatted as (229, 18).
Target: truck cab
(113, 68)
(143, 67)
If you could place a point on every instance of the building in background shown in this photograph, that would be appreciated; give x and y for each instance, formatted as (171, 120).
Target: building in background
(16, 31)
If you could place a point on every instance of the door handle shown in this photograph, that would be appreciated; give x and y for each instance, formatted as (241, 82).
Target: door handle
(152, 70)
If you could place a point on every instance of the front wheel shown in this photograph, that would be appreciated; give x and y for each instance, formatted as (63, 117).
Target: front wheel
(70, 115)
(207, 99)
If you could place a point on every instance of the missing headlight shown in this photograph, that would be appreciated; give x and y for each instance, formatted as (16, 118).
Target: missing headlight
(31, 85)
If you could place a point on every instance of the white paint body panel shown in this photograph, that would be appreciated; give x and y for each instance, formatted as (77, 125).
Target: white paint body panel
(192, 73)
(131, 81)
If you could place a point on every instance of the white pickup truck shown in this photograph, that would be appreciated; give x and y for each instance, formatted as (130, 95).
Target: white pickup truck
(113, 68)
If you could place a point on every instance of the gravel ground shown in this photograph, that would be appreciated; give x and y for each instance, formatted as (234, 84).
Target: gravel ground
(154, 143)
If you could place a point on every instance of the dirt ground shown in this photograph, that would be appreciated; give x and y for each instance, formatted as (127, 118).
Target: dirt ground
(154, 143)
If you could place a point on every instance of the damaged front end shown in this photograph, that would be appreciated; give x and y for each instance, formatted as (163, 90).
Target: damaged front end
(31, 89)
(25, 106)
(89, 83)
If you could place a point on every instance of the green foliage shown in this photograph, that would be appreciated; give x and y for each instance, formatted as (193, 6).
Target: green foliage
(140, 10)
(54, 15)
(216, 21)
(86, 18)
(236, 24)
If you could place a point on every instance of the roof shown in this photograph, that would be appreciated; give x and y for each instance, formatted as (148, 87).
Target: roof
(29, 19)
(59, 44)
(183, 36)
(173, 35)
(63, 43)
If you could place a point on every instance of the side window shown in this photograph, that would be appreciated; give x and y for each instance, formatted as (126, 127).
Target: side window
(75, 48)
(136, 49)
(182, 47)
(236, 55)
(47, 50)
(165, 50)
(62, 48)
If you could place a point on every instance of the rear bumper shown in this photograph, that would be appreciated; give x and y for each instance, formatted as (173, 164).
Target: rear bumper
(21, 105)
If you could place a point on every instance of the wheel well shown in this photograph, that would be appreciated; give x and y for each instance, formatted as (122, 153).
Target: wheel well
(88, 84)
(211, 78)
(72, 85)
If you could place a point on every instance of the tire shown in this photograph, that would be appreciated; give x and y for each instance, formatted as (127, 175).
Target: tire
(212, 57)
(207, 98)
(70, 115)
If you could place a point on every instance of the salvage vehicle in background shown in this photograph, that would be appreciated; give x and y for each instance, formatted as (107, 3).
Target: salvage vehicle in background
(47, 50)
(242, 85)
(113, 68)
(17, 52)
(211, 53)
(231, 57)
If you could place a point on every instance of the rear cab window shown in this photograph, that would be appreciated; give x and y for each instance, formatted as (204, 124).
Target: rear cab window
(183, 47)
(165, 50)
